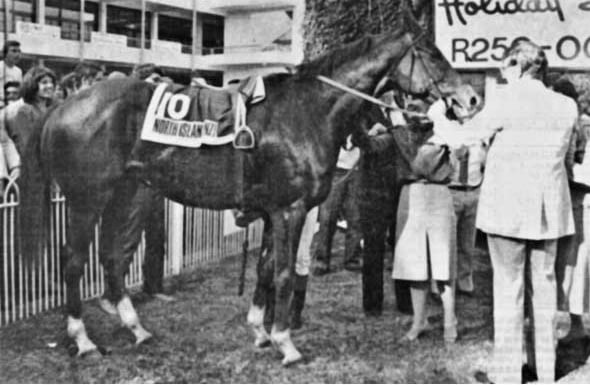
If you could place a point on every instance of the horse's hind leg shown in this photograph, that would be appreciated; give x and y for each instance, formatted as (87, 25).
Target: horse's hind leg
(302, 265)
(81, 224)
(287, 225)
(122, 224)
(264, 289)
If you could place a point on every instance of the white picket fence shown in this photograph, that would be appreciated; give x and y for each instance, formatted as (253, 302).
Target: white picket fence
(194, 236)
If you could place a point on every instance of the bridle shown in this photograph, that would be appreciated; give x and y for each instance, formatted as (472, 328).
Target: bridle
(415, 51)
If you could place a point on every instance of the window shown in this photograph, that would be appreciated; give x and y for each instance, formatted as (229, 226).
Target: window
(175, 29)
(18, 10)
(125, 21)
(213, 29)
(66, 14)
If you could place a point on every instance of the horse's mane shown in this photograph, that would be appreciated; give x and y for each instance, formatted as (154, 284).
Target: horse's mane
(276, 78)
(326, 62)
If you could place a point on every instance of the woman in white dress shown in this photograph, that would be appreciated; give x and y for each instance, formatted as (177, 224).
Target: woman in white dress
(426, 234)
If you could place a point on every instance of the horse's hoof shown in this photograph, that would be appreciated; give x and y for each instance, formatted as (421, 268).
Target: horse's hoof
(262, 343)
(292, 359)
(104, 351)
(143, 337)
(91, 355)
(85, 351)
(107, 306)
(72, 350)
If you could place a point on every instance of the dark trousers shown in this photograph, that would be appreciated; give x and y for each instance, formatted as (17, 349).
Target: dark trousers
(342, 199)
(155, 236)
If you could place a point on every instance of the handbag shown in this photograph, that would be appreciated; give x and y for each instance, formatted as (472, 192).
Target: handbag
(433, 163)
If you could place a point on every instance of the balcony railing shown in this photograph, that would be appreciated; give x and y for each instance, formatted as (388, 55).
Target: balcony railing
(236, 49)
(106, 46)
(135, 42)
(188, 49)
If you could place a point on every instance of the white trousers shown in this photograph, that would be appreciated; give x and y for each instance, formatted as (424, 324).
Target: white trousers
(509, 258)
(303, 263)
(579, 293)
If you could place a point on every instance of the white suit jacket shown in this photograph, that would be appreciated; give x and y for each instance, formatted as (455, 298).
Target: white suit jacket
(525, 191)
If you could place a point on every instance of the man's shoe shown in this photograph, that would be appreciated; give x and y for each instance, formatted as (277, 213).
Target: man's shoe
(466, 293)
(321, 269)
(353, 265)
(465, 285)
(482, 377)
(373, 312)
(164, 297)
(244, 218)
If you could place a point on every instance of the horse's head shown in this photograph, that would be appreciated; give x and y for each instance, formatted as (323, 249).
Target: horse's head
(423, 71)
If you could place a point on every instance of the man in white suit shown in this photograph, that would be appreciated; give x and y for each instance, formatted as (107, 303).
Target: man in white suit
(525, 207)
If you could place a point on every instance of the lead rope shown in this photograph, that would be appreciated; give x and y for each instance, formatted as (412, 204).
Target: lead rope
(367, 97)
(245, 247)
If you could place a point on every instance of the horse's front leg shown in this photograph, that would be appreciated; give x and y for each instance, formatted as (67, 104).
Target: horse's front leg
(264, 289)
(287, 225)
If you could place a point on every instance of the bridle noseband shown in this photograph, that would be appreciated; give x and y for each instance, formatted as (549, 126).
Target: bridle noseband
(414, 50)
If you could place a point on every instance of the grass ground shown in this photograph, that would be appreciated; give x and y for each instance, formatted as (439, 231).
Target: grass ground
(203, 337)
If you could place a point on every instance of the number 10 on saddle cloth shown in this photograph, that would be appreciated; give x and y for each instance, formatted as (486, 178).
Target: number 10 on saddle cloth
(193, 116)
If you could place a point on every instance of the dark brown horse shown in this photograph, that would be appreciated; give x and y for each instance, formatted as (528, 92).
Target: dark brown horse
(91, 146)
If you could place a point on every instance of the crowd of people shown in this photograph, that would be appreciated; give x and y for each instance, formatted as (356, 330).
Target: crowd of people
(23, 104)
(515, 172)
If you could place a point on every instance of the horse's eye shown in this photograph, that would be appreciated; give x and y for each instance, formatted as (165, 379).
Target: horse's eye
(512, 62)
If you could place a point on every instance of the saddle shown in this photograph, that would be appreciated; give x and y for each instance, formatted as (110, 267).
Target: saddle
(250, 90)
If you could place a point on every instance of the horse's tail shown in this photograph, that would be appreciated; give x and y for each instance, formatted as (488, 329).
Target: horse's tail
(34, 185)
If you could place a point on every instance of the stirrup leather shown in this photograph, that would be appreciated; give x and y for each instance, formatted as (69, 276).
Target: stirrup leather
(243, 135)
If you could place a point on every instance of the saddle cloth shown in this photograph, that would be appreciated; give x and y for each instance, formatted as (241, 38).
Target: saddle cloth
(199, 114)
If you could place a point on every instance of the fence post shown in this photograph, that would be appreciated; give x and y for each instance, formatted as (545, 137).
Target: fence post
(175, 236)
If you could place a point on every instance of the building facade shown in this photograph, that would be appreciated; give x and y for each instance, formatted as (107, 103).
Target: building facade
(225, 39)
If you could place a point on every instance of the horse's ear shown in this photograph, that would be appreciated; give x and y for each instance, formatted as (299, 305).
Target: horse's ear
(418, 9)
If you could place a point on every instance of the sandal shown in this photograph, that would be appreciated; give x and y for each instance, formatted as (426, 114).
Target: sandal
(413, 334)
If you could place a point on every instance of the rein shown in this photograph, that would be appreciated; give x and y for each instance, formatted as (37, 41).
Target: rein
(369, 98)
(366, 97)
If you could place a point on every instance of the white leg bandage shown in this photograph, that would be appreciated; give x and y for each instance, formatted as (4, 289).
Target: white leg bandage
(256, 322)
(77, 331)
(130, 320)
(303, 261)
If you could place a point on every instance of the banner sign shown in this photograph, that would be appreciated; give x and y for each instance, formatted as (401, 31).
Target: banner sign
(477, 33)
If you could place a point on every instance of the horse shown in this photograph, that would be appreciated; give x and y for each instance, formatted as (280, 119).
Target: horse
(90, 145)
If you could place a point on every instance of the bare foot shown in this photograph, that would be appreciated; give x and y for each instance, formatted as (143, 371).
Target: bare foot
(415, 331)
